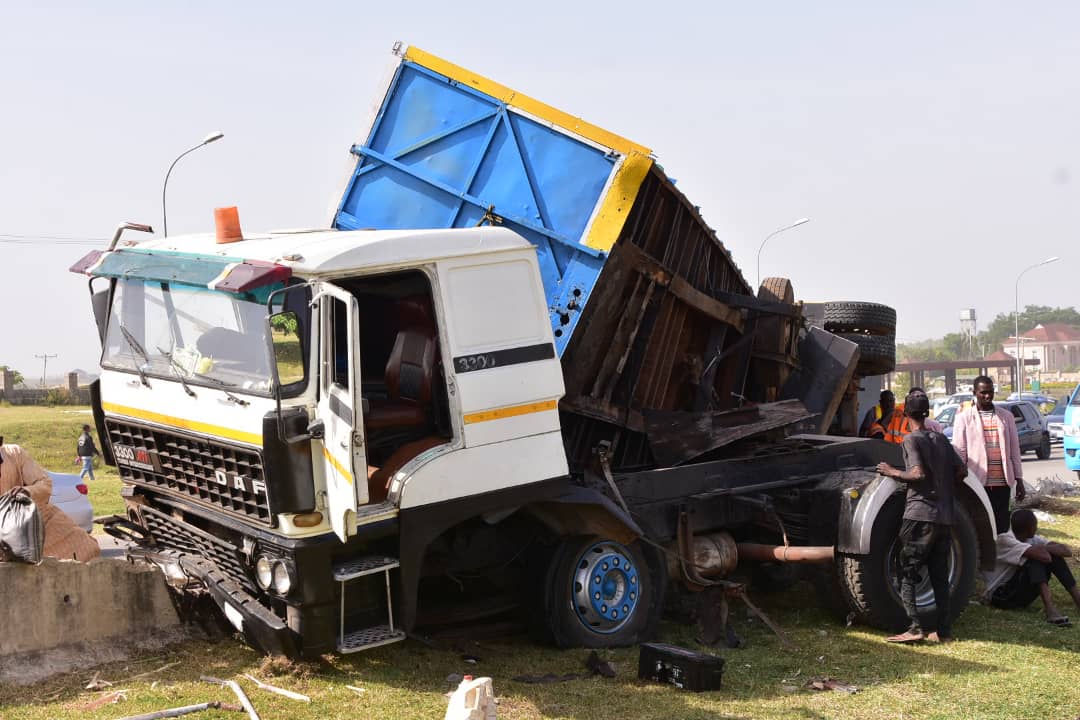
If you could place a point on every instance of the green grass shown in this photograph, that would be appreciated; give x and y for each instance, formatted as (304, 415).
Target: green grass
(1007, 664)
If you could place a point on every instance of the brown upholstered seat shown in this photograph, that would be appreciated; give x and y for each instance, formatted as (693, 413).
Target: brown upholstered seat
(408, 371)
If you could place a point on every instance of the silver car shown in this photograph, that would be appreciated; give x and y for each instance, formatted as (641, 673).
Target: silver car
(69, 494)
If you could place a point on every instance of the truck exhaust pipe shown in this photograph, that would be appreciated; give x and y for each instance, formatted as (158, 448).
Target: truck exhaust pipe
(786, 553)
(717, 554)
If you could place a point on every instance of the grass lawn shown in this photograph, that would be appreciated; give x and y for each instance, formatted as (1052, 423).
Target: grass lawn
(1007, 664)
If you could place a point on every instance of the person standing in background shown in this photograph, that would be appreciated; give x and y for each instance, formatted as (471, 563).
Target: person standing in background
(86, 450)
(986, 440)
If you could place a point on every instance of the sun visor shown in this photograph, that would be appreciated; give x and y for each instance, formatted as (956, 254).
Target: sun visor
(224, 274)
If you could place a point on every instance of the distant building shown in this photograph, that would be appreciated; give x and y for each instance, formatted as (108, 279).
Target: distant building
(1055, 345)
(1001, 375)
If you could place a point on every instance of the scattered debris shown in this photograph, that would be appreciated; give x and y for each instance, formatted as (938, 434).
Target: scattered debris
(599, 667)
(474, 698)
(239, 691)
(109, 698)
(831, 684)
(549, 678)
(1044, 517)
(595, 665)
(176, 712)
(96, 683)
(154, 671)
(280, 691)
(357, 690)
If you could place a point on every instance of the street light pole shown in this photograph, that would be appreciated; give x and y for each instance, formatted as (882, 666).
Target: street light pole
(1016, 315)
(212, 137)
(795, 224)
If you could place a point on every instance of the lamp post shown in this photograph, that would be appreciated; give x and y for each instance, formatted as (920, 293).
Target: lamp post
(1016, 316)
(206, 141)
(795, 224)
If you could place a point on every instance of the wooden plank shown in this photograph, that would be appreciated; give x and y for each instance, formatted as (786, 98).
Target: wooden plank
(677, 437)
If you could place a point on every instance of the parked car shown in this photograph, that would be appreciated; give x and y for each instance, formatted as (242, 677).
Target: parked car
(947, 417)
(1029, 427)
(69, 493)
(1055, 422)
(1044, 403)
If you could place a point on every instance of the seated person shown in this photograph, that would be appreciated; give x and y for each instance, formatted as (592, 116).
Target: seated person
(1025, 562)
(63, 538)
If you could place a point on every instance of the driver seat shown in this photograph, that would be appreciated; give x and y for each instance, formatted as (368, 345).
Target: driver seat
(409, 370)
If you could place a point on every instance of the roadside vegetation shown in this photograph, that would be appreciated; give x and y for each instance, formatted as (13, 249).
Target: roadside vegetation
(1006, 664)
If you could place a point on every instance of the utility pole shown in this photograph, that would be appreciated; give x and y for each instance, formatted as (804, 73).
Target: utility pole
(44, 364)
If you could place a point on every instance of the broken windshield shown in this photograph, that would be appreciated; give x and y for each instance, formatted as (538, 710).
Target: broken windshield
(199, 336)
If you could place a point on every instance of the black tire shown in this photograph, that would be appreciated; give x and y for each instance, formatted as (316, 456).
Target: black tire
(570, 617)
(776, 289)
(871, 584)
(1043, 451)
(877, 353)
(859, 317)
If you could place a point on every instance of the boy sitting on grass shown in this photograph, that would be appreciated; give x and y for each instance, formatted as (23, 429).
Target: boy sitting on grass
(1025, 562)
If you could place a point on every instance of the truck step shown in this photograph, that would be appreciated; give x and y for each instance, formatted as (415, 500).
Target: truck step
(359, 567)
(368, 638)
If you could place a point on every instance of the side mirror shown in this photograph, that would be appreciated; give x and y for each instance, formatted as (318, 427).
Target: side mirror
(288, 353)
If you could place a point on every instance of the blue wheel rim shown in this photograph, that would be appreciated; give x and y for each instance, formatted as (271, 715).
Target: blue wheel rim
(606, 587)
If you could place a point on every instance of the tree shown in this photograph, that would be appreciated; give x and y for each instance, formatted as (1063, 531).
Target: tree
(1004, 325)
(18, 375)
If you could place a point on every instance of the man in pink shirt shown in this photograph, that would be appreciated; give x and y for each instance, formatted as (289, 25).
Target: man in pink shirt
(986, 440)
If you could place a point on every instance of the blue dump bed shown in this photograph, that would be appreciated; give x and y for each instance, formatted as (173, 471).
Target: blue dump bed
(448, 148)
(649, 312)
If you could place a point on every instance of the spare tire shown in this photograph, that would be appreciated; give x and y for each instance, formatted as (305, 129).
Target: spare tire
(859, 317)
(877, 353)
(777, 289)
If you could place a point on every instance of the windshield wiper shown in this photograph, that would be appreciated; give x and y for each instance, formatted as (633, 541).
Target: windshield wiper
(131, 341)
(178, 370)
(224, 388)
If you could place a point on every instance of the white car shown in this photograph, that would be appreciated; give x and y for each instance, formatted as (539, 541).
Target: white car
(69, 494)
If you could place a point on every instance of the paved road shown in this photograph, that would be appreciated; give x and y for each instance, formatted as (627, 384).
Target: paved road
(1034, 468)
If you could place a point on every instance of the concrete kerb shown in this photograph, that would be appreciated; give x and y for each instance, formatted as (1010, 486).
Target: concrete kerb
(61, 615)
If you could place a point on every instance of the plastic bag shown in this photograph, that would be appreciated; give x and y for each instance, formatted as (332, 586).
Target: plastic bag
(22, 530)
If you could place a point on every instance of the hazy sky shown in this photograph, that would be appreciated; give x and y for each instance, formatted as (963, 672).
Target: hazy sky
(936, 150)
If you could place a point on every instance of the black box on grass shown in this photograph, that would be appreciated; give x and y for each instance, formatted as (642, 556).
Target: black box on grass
(680, 667)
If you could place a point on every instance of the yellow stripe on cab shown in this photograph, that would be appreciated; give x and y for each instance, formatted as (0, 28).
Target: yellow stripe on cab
(512, 411)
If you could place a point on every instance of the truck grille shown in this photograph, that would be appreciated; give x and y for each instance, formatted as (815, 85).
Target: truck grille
(222, 476)
(172, 534)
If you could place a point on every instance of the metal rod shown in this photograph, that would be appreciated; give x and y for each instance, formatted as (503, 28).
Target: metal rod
(175, 712)
(389, 601)
(239, 691)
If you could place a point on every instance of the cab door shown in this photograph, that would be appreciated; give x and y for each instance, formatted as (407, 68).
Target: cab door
(339, 399)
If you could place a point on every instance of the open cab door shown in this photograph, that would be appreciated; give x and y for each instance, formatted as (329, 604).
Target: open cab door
(339, 400)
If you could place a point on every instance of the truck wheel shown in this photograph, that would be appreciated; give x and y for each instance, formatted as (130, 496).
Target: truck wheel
(859, 317)
(877, 353)
(1043, 452)
(872, 584)
(600, 593)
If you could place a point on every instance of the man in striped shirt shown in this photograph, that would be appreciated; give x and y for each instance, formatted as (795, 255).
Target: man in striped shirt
(986, 440)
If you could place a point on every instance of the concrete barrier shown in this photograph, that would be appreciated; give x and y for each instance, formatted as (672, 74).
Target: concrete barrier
(63, 614)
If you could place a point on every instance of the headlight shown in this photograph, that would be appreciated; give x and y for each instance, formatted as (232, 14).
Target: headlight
(264, 573)
(282, 578)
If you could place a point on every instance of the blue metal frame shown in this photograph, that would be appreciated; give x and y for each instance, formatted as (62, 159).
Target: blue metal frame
(443, 155)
